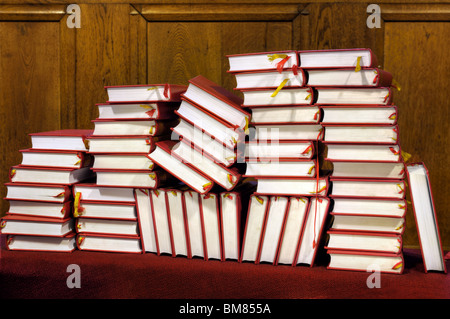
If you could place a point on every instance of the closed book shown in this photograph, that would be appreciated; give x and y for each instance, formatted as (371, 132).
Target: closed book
(368, 223)
(217, 101)
(161, 225)
(356, 96)
(105, 209)
(362, 152)
(94, 192)
(66, 243)
(226, 177)
(49, 175)
(270, 79)
(292, 186)
(222, 131)
(195, 226)
(176, 214)
(286, 131)
(272, 97)
(189, 133)
(369, 206)
(162, 156)
(357, 169)
(132, 178)
(363, 188)
(363, 114)
(145, 215)
(361, 134)
(124, 144)
(367, 77)
(38, 226)
(107, 226)
(285, 114)
(132, 127)
(210, 212)
(109, 243)
(38, 192)
(119, 161)
(366, 261)
(145, 92)
(364, 241)
(338, 58)
(281, 168)
(274, 149)
(55, 158)
(425, 217)
(69, 139)
(40, 208)
(274, 60)
(137, 110)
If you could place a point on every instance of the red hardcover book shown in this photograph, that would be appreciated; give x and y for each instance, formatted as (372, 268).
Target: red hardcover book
(109, 243)
(210, 213)
(361, 134)
(145, 92)
(270, 79)
(41, 243)
(40, 208)
(161, 226)
(364, 261)
(119, 161)
(38, 192)
(124, 144)
(364, 188)
(425, 216)
(105, 209)
(285, 96)
(146, 224)
(364, 241)
(38, 226)
(226, 177)
(347, 77)
(176, 214)
(107, 226)
(313, 229)
(55, 158)
(132, 178)
(363, 169)
(195, 229)
(274, 60)
(219, 129)
(132, 127)
(370, 206)
(362, 152)
(292, 186)
(218, 101)
(68, 139)
(268, 149)
(281, 168)
(94, 192)
(285, 114)
(359, 114)
(367, 223)
(338, 58)
(133, 110)
(233, 208)
(47, 175)
(356, 96)
(162, 156)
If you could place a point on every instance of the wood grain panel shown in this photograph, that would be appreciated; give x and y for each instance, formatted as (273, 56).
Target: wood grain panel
(180, 51)
(102, 57)
(30, 90)
(418, 59)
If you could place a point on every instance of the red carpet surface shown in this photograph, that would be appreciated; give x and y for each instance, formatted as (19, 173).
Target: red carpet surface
(43, 275)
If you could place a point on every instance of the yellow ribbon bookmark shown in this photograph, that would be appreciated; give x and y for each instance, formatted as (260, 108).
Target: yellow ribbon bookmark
(358, 64)
(279, 87)
(275, 56)
(396, 85)
(405, 156)
(76, 205)
(259, 199)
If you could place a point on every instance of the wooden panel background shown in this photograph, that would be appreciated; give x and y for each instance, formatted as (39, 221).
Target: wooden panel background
(52, 76)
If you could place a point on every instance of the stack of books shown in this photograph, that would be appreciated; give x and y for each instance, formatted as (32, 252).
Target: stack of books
(40, 191)
(362, 143)
(134, 118)
(203, 155)
(288, 210)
